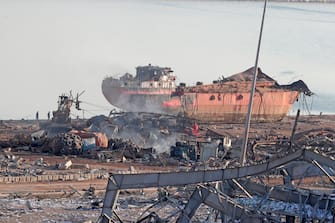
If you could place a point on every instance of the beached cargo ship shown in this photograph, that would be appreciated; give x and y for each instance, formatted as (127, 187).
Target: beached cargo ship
(154, 89)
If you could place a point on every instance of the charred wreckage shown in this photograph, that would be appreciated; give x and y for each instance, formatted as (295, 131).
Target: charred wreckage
(269, 188)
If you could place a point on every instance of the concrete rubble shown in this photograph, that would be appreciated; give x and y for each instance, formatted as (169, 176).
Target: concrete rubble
(65, 166)
(80, 156)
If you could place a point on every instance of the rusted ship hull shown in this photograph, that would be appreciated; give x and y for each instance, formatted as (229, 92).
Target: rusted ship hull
(224, 101)
(135, 100)
(233, 107)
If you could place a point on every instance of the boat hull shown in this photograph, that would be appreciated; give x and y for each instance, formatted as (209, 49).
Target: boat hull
(227, 106)
(135, 99)
(233, 107)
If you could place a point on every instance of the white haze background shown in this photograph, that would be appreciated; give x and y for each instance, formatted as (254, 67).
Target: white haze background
(51, 47)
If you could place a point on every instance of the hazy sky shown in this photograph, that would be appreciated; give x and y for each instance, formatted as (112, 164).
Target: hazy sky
(51, 47)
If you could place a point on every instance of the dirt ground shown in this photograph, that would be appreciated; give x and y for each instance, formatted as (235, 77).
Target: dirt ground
(60, 201)
(67, 201)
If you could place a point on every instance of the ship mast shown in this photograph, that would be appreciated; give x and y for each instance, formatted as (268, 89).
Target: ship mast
(253, 86)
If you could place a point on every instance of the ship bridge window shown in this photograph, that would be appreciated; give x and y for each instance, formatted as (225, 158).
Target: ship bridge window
(212, 97)
(125, 83)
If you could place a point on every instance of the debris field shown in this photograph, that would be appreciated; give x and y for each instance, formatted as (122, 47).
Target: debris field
(143, 167)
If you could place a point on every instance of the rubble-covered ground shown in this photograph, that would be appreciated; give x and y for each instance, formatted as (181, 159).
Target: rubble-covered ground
(133, 147)
(47, 210)
(131, 207)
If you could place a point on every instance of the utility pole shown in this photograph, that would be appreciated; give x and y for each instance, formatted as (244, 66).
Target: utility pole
(247, 123)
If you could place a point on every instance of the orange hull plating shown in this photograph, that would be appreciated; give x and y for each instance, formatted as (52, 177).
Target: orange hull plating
(224, 101)
(233, 107)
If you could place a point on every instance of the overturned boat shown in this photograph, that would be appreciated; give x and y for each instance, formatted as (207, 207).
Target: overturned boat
(154, 89)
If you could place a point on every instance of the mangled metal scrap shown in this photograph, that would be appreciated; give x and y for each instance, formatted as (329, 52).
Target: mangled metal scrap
(144, 129)
(95, 139)
(183, 150)
(62, 114)
(65, 165)
(226, 205)
(69, 142)
(64, 143)
(130, 181)
(282, 193)
(12, 165)
(128, 149)
(60, 135)
(118, 182)
(322, 139)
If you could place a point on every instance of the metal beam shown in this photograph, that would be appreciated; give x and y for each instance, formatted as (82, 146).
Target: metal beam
(251, 98)
(294, 128)
(220, 202)
(323, 170)
(145, 180)
(191, 207)
(244, 213)
(242, 188)
(214, 200)
(321, 158)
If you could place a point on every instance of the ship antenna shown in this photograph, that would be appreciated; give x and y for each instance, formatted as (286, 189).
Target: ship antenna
(247, 123)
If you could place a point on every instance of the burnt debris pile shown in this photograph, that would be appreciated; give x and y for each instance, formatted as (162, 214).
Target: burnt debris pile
(202, 177)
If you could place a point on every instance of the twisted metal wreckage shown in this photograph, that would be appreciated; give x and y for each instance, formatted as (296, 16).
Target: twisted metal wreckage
(241, 209)
(309, 206)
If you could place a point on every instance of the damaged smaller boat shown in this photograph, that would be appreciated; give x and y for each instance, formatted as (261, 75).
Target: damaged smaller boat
(154, 89)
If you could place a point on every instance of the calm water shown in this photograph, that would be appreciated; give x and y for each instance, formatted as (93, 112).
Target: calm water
(52, 47)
